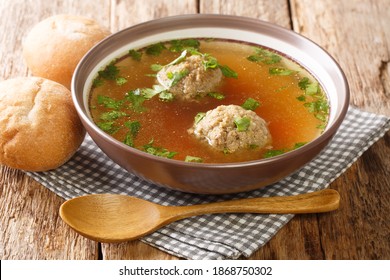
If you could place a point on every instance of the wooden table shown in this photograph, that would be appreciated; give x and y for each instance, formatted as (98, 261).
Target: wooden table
(355, 32)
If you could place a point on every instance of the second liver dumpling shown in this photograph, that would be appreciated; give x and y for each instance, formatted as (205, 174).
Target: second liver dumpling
(231, 128)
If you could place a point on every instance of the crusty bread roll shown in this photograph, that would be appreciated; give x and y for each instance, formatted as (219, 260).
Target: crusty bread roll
(53, 47)
(39, 126)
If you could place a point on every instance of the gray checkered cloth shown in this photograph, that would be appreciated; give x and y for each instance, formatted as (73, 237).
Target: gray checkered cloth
(218, 236)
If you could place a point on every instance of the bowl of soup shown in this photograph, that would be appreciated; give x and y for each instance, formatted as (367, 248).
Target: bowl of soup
(210, 104)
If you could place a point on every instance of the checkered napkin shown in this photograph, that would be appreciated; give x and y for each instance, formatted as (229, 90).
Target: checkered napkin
(217, 236)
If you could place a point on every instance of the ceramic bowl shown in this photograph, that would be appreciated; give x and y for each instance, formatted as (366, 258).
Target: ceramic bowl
(212, 178)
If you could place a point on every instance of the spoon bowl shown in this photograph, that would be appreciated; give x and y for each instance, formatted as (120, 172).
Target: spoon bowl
(117, 218)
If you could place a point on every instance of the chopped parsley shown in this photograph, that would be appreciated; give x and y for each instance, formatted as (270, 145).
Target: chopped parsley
(136, 98)
(209, 62)
(109, 102)
(242, 124)
(176, 77)
(112, 115)
(120, 81)
(250, 104)
(216, 95)
(108, 126)
(109, 73)
(156, 67)
(193, 159)
(155, 49)
(180, 45)
(280, 71)
(264, 56)
(273, 153)
(136, 55)
(134, 127)
(228, 72)
(158, 151)
(199, 116)
(166, 96)
(303, 83)
(314, 100)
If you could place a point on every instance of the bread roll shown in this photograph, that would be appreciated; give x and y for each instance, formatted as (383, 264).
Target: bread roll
(54, 46)
(39, 126)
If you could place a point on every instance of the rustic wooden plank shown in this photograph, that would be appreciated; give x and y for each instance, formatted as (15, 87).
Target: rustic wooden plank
(273, 11)
(134, 250)
(31, 227)
(356, 33)
(127, 13)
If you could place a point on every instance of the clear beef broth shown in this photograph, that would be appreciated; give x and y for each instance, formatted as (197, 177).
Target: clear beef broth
(291, 102)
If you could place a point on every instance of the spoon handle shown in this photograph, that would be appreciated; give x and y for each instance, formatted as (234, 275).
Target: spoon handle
(315, 202)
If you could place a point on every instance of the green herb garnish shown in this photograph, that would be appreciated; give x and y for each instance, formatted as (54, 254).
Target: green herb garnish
(109, 73)
(109, 102)
(134, 127)
(299, 144)
(199, 116)
(281, 71)
(242, 124)
(158, 151)
(209, 62)
(228, 72)
(250, 104)
(136, 55)
(303, 83)
(193, 159)
(155, 49)
(273, 153)
(120, 81)
(112, 115)
(216, 95)
(108, 127)
(136, 98)
(180, 45)
(166, 96)
(156, 67)
(264, 56)
(176, 77)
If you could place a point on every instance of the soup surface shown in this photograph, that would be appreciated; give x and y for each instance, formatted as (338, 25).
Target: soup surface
(128, 102)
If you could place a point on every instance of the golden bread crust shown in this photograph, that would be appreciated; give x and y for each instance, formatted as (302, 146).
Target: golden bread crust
(39, 126)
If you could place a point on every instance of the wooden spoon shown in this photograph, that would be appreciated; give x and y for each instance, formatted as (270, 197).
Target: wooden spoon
(117, 218)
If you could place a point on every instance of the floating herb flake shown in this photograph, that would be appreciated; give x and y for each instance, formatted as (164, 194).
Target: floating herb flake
(136, 55)
(250, 104)
(109, 102)
(216, 95)
(180, 45)
(158, 151)
(264, 56)
(193, 159)
(112, 115)
(281, 71)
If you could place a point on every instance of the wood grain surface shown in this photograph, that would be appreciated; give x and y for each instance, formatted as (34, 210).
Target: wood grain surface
(356, 33)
